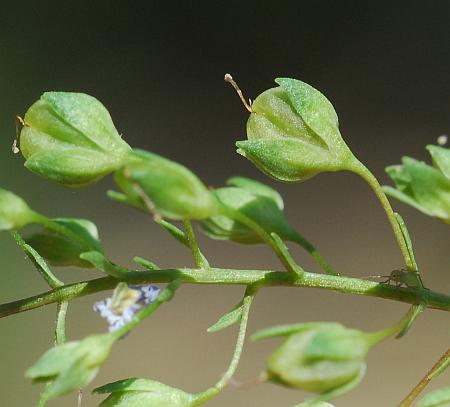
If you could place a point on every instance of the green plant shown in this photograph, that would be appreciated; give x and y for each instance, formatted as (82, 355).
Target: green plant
(293, 135)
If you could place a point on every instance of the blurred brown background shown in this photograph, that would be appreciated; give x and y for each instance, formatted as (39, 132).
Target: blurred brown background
(158, 67)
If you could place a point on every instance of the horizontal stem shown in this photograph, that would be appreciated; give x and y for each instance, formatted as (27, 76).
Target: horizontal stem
(234, 277)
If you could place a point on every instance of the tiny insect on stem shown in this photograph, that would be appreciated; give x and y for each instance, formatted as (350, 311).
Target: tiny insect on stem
(248, 105)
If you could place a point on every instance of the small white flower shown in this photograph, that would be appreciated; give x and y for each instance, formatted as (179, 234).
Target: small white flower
(125, 303)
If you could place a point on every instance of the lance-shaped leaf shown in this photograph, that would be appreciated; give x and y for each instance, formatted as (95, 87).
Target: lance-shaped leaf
(231, 317)
(70, 138)
(136, 392)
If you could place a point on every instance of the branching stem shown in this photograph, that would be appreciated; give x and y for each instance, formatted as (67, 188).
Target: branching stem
(222, 383)
(261, 278)
(364, 172)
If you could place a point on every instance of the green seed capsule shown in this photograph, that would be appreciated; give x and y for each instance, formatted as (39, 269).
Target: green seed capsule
(151, 182)
(70, 138)
(293, 133)
(319, 360)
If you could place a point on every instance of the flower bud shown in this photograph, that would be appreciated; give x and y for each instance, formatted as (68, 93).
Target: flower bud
(293, 133)
(70, 366)
(421, 186)
(70, 138)
(319, 357)
(14, 212)
(258, 202)
(143, 392)
(59, 249)
(152, 182)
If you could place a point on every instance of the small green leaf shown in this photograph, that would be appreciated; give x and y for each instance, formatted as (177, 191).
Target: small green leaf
(436, 398)
(441, 158)
(421, 186)
(260, 208)
(231, 317)
(60, 250)
(175, 232)
(72, 365)
(147, 264)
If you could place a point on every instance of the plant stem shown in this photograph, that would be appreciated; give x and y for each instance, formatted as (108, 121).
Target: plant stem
(200, 261)
(438, 367)
(410, 295)
(361, 170)
(221, 384)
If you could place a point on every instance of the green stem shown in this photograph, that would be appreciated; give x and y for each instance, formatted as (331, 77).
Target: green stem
(200, 261)
(222, 383)
(438, 368)
(60, 338)
(361, 170)
(240, 217)
(166, 295)
(410, 295)
(310, 248)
